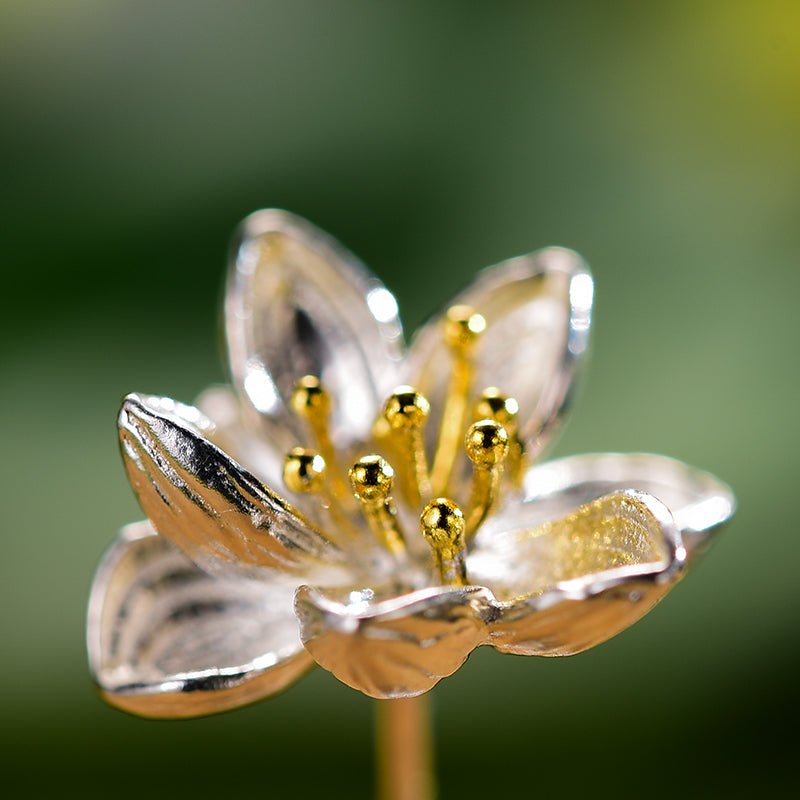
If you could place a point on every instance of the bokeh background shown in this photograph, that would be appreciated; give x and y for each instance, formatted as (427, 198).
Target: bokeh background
(662, 141)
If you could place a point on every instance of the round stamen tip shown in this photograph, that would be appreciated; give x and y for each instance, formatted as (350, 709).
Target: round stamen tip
(309, 396)
(493, 404)
(442, 522)
(303, 470)
(462, 326)
(371, 478)
(487, 443)
(406, 408)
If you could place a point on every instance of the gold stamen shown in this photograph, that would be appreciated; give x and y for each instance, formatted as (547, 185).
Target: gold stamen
(406, 411)
(501, 408)
(487, 446)
(372, 478)
(312, 403)
(443, 527)
(461, 330)
(304, 471)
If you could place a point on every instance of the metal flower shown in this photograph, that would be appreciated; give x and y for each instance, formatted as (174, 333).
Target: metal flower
(280, 536)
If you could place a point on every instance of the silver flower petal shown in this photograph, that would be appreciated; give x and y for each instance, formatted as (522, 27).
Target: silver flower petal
(219, 514)
(589, 576)
(256, 451)
(168, 640)
(578, 581)
(538, 310)
(396, 647)
(699, 502)
(298, 303)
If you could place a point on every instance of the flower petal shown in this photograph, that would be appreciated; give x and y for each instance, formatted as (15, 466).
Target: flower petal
(699, 502)
(168, 640)
(396, 647)
(538, 311)
(258, 453)
(216, 512)
(556, 590)
(567, 585)
(298, 303)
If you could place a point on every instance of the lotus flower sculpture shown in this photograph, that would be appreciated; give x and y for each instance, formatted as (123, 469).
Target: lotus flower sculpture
(376, 511)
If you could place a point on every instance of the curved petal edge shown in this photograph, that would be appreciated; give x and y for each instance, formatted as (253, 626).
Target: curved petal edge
(298, 303)
(582, 612)
(402, 646)
(393, 648)
(217, 512)
(167, 640)
(538, 310)
(700, 502)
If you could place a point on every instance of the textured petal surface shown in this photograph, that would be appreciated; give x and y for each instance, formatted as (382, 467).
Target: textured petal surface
(520, 555)
(579, 582)
(538, 310)
(167, 640)
(397, 647)
(297, 304)
(219, 514)
(699, 502)
(256, 451)
(576, 582)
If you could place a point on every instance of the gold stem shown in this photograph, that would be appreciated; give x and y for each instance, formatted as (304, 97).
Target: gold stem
(372, 478)
(311, 402)
(451, 430)
(405, 760)
(485, 481)
(382, 520)
(405, 412)
(501, 408)
(442, 523)
(462, 327)
(487, 447)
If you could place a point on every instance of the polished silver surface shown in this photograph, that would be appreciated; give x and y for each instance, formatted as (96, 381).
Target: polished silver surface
(398, 646)
(298, 303)
(570, 590)
(246, 584)
(219, 514)
(538, 313)
(698, 500)
(166, 639)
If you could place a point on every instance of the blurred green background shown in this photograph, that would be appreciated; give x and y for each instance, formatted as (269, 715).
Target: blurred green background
(662, 141)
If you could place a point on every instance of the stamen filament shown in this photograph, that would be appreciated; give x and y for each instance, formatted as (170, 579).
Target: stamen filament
(372, 478)
(501, 408)
(312, 403)
(487, 447)
(305, 472)
(406, 411)
(462, 328)
(443, 528)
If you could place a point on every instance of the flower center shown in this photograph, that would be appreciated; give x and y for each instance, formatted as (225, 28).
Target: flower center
(491, 443)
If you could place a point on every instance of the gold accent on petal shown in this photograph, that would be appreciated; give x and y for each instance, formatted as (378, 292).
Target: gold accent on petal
(462, 328)
(616, 530)
(613, 531)
(372, 479)
(487, 446)
(443, 527)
